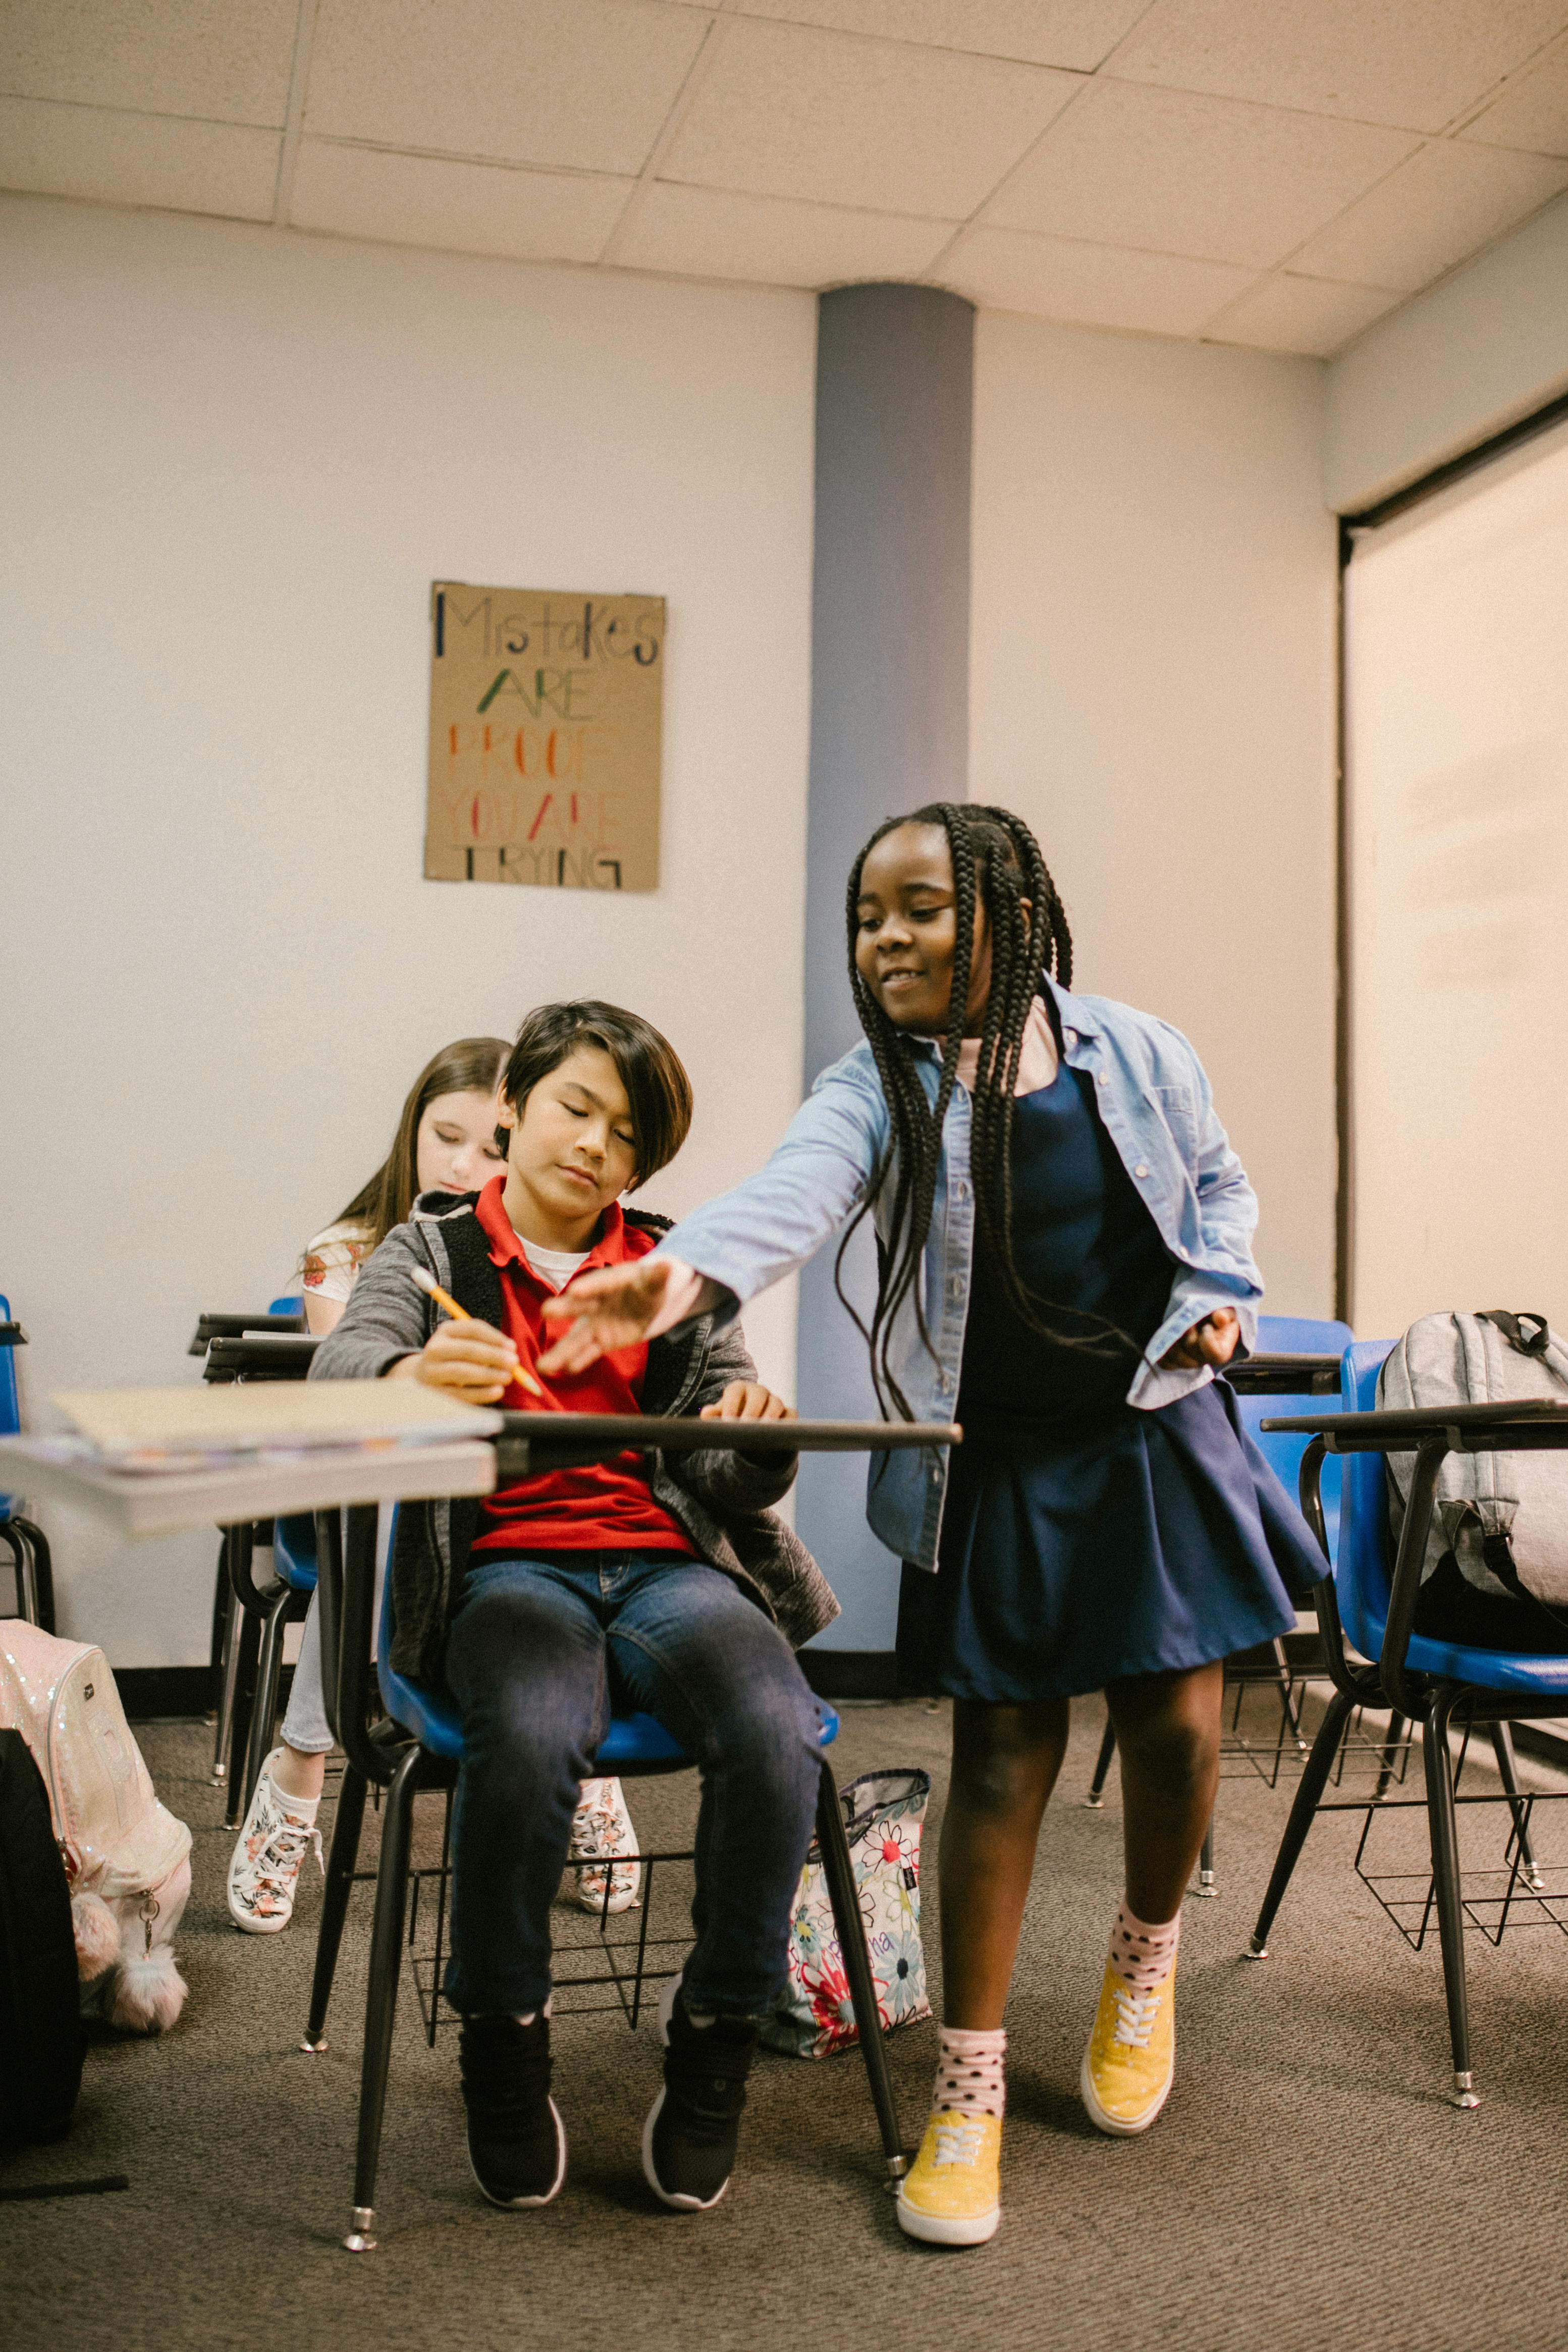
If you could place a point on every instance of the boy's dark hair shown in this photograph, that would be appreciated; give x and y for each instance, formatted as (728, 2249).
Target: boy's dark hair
(652, 1071)
(471, 1066)
(997, 860)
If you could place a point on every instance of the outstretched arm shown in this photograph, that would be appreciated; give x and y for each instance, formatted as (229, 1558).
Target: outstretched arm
(738, 1244)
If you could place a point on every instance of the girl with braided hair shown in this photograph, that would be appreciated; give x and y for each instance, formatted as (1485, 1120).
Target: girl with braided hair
(1064, 1263)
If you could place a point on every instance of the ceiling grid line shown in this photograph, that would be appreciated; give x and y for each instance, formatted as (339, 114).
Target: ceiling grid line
(702, 66)
(294, 119)
(1203, 168)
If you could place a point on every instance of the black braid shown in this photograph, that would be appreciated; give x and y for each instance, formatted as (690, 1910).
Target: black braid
(996, 858)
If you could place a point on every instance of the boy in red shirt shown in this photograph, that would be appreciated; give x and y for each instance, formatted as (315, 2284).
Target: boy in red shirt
(670, 1586)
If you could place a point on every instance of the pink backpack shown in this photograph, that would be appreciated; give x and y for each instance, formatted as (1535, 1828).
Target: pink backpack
(126, 1856)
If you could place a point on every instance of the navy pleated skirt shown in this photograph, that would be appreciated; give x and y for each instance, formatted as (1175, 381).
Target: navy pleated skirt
(1146, 1543)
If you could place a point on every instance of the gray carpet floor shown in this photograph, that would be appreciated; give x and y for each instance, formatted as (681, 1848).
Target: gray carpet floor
(1307, 2187)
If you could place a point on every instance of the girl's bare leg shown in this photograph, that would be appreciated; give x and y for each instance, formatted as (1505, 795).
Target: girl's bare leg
(1167, 1735)
(1005, 1763)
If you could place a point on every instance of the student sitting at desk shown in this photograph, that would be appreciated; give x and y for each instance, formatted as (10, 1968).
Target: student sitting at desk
(666, 1584)
(445, 1142)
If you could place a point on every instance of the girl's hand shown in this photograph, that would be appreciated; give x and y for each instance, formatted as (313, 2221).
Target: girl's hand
(610, 1307)
(1213, 1341)
(747, 1400)
(475, 1361)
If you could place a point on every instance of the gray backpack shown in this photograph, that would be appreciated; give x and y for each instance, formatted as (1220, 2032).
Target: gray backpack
(1503, 1517)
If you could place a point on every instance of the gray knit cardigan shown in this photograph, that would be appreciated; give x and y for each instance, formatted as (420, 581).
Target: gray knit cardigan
(718, 1498)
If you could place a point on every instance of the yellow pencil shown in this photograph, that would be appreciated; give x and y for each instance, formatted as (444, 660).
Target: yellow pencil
(448, 1305)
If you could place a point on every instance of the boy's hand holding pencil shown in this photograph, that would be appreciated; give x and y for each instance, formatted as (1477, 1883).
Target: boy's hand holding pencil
(471, 1359)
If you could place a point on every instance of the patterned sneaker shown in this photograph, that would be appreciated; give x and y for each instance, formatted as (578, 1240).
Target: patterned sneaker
(265, 1864)
(952, 2195)
(602, 1827)
(1130, 2064)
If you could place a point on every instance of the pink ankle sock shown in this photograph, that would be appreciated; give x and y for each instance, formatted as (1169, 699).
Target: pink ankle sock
(970, 2071)
(1143, 1956)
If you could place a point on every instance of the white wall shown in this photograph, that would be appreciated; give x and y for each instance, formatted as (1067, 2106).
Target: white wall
(1456, 752)
(1445, 372)
(1152, 685)
(231, 462)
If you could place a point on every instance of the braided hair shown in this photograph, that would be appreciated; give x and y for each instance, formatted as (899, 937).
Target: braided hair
(997, 861)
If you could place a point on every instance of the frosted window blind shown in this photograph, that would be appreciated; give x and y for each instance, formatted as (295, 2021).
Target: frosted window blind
(1457, 742)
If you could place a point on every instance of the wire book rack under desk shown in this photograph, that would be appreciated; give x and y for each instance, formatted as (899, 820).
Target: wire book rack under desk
(618, 1959)
(1522, 1890)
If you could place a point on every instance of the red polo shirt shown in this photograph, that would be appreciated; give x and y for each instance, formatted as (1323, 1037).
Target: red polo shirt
(607, 1507)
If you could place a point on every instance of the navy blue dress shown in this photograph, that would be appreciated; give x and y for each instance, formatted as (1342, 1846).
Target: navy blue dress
(1083, 1540)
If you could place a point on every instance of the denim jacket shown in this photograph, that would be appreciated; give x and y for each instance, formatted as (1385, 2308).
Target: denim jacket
(1158, 1107)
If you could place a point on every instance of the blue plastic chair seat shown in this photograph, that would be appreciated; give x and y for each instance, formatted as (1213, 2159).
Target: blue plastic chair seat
(10, 1409)
(1363, 1578)
(294, 1552)
(632, 1743)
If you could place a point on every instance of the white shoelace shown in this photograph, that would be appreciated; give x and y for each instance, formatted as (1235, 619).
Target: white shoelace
(958, 2142)
(1135, 2014)
(278, 1864)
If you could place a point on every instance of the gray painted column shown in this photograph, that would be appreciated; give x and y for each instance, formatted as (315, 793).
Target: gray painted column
(890, 728)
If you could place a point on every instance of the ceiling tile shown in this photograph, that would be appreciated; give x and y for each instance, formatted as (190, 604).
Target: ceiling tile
(1282, 313)
(710, 233)
(1412, 63)
(1432, 211)
(524, 82)
(785, 110)
(138, 159)
(461, 207)
(1533, 111)
(1074, 33)
(209, 58)
(1089, 285)
(1208, 176)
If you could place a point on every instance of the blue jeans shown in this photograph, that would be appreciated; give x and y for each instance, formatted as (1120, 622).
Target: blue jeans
(536, 1651)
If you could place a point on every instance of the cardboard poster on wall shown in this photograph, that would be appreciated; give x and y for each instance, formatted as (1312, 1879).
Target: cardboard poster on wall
(546, 727)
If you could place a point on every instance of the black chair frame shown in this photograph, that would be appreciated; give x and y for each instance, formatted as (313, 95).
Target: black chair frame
(28, 1545)
(1410, 1697)
(248, 1623)
(383, 1756)
(33, 1570)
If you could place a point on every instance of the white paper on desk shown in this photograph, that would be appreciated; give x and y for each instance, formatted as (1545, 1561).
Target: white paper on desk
(164, 1428)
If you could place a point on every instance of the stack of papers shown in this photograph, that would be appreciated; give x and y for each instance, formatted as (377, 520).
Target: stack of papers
(155, 1459)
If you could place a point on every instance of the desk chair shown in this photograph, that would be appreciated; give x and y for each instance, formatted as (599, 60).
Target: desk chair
(1366, 1603)
(418, 1745)
(248, 1623)
(27, 1544)
(1298, 1359)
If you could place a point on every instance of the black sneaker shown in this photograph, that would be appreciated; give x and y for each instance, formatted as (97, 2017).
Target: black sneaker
(516, 2141)
(689, 2138)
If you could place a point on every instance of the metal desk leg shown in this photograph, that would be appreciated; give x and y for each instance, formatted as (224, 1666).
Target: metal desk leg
(839, 1870)
(1507, 1772)
(381, 2001)
(1445, 1878)
(1096, 1796)
(1309, 1790)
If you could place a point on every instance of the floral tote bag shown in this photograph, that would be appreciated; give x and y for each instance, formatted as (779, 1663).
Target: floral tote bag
(815, 2017)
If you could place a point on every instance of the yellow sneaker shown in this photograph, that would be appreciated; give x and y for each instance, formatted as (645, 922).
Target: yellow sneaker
(1130, 2064)
(952, 2195)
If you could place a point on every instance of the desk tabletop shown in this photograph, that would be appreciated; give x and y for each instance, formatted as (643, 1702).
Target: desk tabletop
(1524, 1422)
(619, 1433)
(274, 1483)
